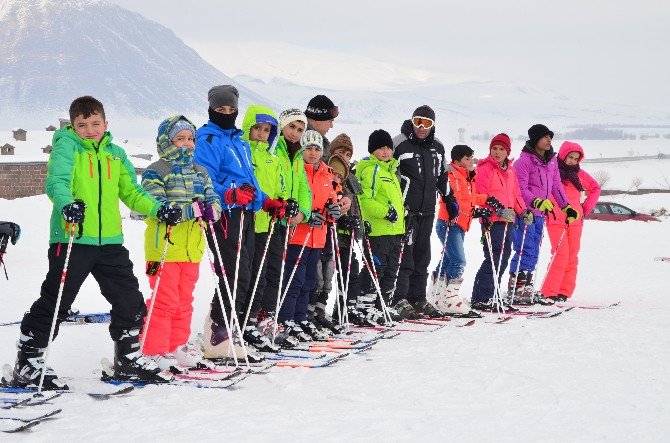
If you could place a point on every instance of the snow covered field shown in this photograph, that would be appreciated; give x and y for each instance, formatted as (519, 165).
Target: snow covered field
(584, 376)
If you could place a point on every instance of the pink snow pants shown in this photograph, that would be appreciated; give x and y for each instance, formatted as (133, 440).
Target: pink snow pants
(563, 272)
(170, 323)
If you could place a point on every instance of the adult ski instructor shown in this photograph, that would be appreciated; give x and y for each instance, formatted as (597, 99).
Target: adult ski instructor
(422, 173)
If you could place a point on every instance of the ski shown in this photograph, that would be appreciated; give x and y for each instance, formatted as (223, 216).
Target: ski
(17, 426)
(77, 319)
(612, 305)
(40, 417)
(662, 259)
(192, 383)
(549, 314)
(321, 363)
(501, 320)
(51, 395)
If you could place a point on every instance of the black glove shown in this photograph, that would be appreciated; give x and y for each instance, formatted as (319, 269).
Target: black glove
(333, 211)
(368, 227)
(74, 212)
(451, 205)
(169, 214)
(407, 236)
(494, 203)
(349, 223)
(392, 215)
(292, 208)
(317, 219)
(482, 212)
(8, 232)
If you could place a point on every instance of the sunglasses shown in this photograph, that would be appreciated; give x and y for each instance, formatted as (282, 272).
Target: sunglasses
(426, 122)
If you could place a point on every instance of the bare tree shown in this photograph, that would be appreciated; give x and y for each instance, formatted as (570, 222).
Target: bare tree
(602, 177)
(635, 184)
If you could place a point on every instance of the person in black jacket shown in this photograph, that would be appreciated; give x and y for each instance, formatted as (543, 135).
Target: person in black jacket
(422, 173)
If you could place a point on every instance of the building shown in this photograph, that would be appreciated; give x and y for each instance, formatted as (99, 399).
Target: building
(19, 134)
(47, 149)
(63, 122)
(50, 128)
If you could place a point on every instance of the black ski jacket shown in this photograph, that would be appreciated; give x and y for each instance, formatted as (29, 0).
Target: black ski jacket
(422, 169)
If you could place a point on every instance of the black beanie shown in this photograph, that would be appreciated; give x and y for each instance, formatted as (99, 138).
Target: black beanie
(536, 132)
(424, 111)
(379, 139)
(321, 108)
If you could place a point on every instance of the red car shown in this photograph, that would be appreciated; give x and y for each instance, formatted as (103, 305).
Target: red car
(609, 211)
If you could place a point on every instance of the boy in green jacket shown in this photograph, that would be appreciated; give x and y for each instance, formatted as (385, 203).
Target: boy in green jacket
(382, 207)
(86, 176)
(260, 128)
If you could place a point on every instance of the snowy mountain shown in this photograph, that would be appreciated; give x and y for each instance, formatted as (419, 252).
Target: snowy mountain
(53, 51)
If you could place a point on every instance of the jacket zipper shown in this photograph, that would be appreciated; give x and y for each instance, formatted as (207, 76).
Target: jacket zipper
(97, 151)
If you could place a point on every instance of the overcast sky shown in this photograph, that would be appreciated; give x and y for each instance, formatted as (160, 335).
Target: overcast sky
(610, 50)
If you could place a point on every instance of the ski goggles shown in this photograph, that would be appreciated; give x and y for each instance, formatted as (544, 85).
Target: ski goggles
(426, 122)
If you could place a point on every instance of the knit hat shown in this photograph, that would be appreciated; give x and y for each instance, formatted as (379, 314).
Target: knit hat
(180, 125)
(424, 111)
(223, 95)
(342, 141)
(291, 115)
(321, 108)
(311, 138)
(503, 140)
(379, 139)
(339, 165)
(536, 132)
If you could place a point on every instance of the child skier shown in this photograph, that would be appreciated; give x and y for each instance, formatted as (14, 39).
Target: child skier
(561, 277)
(497, 178)
(382, 207)
(537, 172)
(86, 176)
(308, 240)
(260, 128)
(457, 210)
(174, 179)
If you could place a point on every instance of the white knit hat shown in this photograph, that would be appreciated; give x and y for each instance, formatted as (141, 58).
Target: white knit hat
(291, 115)
(311, 138)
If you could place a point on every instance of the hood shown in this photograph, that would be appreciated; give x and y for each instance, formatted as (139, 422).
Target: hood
(568, 147)
(68, 132)
(260, 114)
(407, 129)
(548, 155)
(166, 149)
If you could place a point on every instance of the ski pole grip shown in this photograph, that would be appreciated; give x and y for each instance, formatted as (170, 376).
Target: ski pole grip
(196, 208)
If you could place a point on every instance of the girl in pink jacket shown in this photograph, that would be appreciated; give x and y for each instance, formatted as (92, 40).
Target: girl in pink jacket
(560, 281)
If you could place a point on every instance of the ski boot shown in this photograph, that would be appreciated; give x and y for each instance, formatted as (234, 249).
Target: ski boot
(267, 328)
(313, 331)
(426, 308)
(191, 356)
(519, 288)
(294, 330)
(217, 345)
(259, 341)
(131, 365)
(356, 317)
(405, 310)
(540, 299)
(28, 370)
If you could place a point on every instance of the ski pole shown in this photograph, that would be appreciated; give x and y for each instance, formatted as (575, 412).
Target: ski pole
(337, 264)
(436, 287)
(61, 287)
(346, 285)
(502, 250)
(373, 274)
(387, 316)
(258, 276)
(533, 279)
(518, 264)
(553, 255)
(496, 286)
(395, 281)
(234, 321)
(233, 310)
(154, 293)
(217, 280)
(281, 279)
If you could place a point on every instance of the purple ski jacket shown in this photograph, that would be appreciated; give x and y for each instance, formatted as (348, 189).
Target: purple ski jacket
(539, 177)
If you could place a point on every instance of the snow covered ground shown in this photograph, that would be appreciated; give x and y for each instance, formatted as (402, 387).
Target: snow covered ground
(584, 376)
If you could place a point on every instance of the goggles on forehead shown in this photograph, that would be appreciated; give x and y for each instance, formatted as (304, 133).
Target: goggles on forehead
(426, 122)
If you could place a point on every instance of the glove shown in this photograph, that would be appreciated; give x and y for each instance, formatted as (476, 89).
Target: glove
(368, 227)
(452, 206)
(484, 213)
(570, 214)
(276, 208)
(169, 214)
(349, 222)
(8, 232)
(240, 196)
(543, 205)
(204, 210)
(74, 212)
(316, 220)
(528, 217)
(506, 214)
(494, 203)
(392, 215)
(407, 237)
(292, 208)
(333, 211)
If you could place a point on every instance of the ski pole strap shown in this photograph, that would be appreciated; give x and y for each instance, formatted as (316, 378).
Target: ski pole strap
(168, 230)
(4, 266)
(81, 230)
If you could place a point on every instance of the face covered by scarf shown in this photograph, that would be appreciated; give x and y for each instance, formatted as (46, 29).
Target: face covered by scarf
(570, 173)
